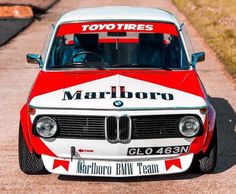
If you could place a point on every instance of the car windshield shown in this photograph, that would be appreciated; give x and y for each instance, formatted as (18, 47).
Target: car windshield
(105, 45)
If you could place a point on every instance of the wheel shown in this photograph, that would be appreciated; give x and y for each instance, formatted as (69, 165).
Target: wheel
(30, 163)
(206, 162)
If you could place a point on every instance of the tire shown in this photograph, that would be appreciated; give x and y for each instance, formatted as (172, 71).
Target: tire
(30, 163)
(206, 162)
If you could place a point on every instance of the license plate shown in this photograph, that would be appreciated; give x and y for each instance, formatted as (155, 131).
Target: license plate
(137, 151)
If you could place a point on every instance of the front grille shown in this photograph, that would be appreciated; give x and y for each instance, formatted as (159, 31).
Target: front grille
(158, 126)
(81, 127)
(125, 128)
(100, 127)
(118, 129)
(111, 128)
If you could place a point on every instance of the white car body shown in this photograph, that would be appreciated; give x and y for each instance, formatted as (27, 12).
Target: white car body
(100, 157)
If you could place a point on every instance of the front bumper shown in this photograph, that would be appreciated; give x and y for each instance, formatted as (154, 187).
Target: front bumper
(117, 168)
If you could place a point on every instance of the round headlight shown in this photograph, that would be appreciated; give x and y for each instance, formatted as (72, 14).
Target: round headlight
(46, 127)
(189, 126)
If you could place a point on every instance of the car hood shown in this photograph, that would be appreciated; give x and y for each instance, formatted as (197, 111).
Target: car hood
(117, 90)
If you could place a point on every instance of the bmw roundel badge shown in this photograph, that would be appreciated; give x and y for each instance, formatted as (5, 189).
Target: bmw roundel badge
(118, 103)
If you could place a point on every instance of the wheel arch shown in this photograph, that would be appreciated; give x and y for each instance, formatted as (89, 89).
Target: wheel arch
(24, 124)
(211, 130)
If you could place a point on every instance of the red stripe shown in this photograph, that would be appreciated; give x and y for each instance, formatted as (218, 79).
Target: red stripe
(58, 80)
(119, 40)
(211, 127)
(180, 80)
(198, 142)
(24, 120)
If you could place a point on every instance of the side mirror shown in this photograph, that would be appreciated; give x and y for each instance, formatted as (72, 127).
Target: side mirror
(197, 57)
(34, 59)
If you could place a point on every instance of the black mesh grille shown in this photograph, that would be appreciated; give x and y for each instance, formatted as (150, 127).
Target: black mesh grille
(93, 127)
(111, 128)
(160, 126)
(124, 126)
(82, 127)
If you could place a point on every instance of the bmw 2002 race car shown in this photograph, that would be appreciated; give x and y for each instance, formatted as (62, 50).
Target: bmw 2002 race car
(117, 95)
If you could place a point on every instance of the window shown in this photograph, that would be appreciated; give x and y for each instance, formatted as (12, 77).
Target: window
(118, 45)
(47, 42)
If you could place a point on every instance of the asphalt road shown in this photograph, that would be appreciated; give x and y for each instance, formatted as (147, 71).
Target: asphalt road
(10, 28)
(16, 77)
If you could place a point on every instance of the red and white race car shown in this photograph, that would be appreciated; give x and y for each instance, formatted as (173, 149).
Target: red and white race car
(117, 95)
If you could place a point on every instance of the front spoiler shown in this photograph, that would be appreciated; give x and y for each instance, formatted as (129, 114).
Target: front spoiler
(115, 168)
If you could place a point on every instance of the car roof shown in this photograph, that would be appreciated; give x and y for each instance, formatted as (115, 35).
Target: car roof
(109, 13)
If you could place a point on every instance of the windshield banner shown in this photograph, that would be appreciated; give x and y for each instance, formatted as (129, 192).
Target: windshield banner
(91, 27)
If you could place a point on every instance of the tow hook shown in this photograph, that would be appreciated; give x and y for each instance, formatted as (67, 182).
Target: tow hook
(72, 152)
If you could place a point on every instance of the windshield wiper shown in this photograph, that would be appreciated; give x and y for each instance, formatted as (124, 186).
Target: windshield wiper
(84, 65)
(132, 65)
(141, 65)
(135, 65)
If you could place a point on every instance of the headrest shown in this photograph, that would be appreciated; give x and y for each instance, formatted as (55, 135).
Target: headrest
(151, 39)
(86, 41)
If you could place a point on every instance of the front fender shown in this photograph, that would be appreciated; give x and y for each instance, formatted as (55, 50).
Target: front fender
(211, 127)
(34, 144)
(24, 123)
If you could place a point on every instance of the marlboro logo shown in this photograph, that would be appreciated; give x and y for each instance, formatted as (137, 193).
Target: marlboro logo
(175, 162)
(63, 163)
(116, 92)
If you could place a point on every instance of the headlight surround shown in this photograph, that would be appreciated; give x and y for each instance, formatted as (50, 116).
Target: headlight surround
(46, 127)
(189, 126)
